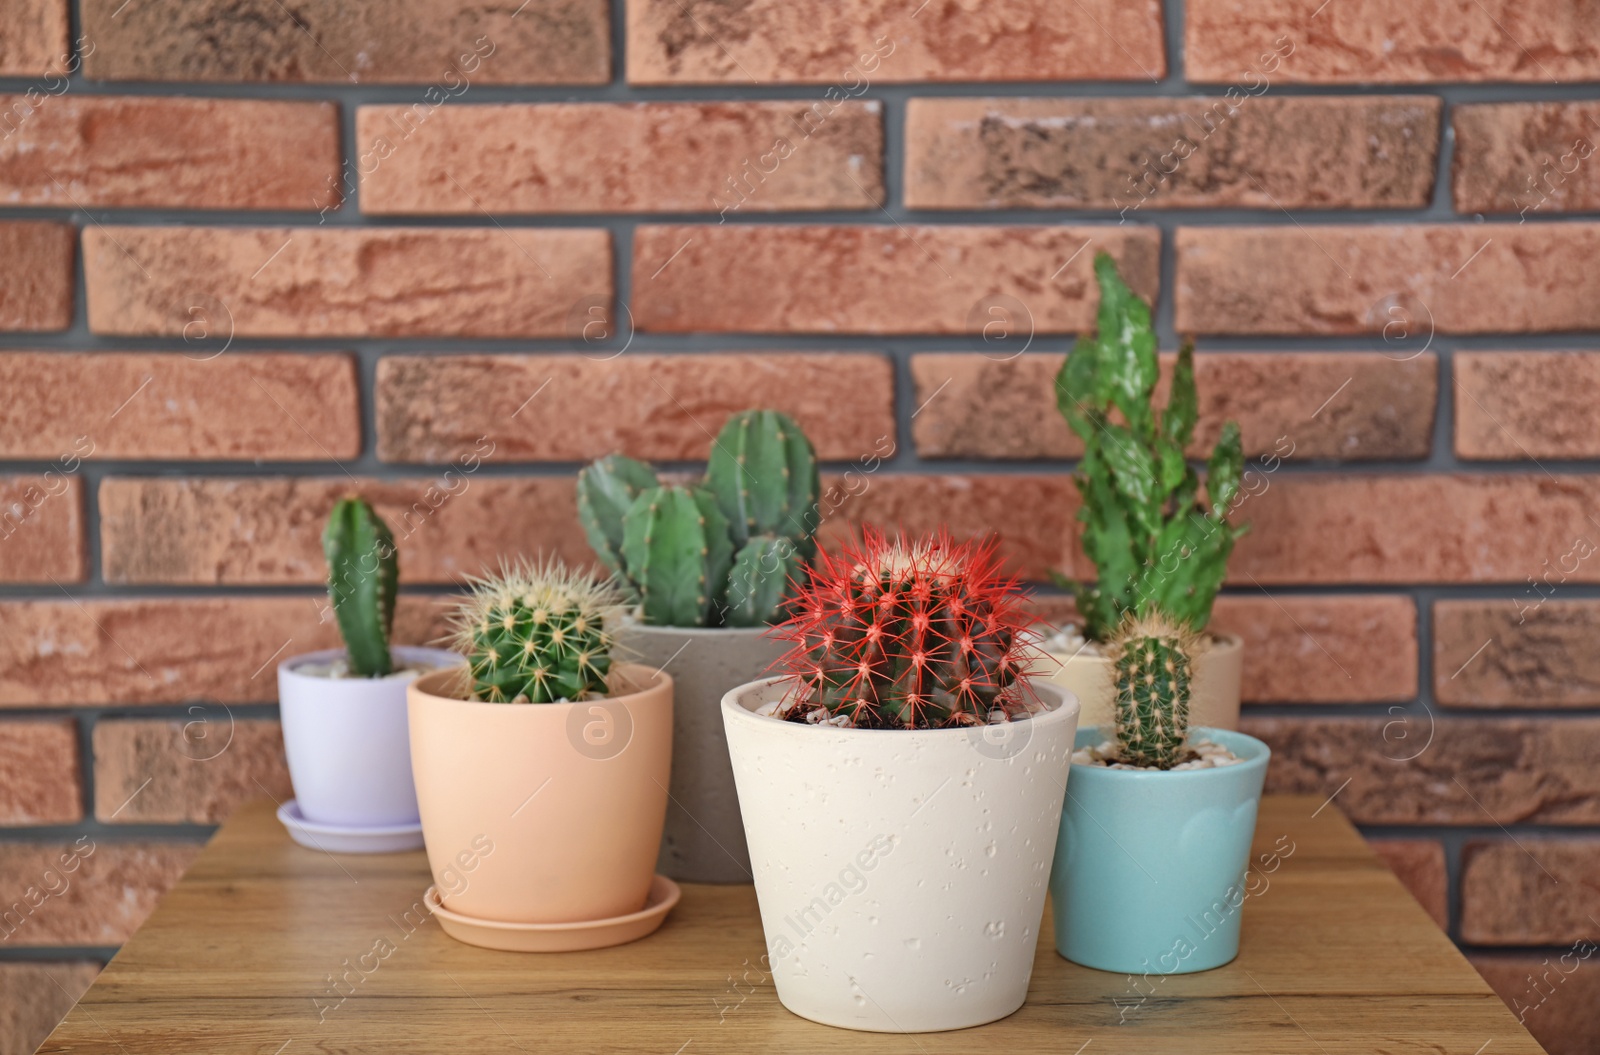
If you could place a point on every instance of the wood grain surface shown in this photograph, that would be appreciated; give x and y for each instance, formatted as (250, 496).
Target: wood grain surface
(246, 955)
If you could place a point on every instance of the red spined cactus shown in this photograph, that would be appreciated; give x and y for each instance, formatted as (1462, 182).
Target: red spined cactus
(892, 634)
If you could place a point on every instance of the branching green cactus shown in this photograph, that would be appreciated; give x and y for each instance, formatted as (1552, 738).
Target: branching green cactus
(1152, 657)
(1154, 544)
(725, 552)
(536, 633)
(363, 575)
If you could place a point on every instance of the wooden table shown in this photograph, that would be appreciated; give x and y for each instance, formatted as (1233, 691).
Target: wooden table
(245, 953)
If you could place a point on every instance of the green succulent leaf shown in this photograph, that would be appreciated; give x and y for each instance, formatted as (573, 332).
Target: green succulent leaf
(1134, 474)
(1225, 470)
(1077, 388)
(1127, 347)
(1183, 404)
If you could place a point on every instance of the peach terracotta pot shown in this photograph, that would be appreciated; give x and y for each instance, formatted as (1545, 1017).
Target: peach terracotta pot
(543, 813)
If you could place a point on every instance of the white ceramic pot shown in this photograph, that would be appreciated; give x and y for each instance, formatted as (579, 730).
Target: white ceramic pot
(1214, 704)
(901, 874)
(348, 741)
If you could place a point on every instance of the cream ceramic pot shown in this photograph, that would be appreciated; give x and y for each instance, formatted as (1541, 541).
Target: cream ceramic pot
(1217, 674)
(543, 813)
(901, 874)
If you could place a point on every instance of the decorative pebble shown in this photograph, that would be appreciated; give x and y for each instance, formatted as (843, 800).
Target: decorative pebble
(1070, 639)
(1210, 756)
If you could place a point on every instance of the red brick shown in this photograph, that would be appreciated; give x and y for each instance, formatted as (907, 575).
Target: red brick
(100, 898)
(170, 650)
(1359, 649)
(1526, 158)
(1529, 891)
(449, 45)
(1555, 994)
(322, 282)
(1398, 281)
(1305, 529)
(33, 40)
(1528, 651)
(1031, 515)
(878, 279)
(574, 408)
(39, 772)
(1419, 865)
(41, 528)
(1347, 649)
(146, 152)
(38, 995)
(1319, 405)
(1409, 529)
(194, 770)
(852, 46)
(239, 406)
(268, 530)
(36, 276)
(1425, 768)
(1357, 41)
(1128, 154)
(657, 157)
(1513, 406)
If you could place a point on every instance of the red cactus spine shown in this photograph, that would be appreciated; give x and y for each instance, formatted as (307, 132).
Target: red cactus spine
(914, 635)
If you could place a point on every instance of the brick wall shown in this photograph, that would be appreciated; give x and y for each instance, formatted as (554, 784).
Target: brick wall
(249, 255)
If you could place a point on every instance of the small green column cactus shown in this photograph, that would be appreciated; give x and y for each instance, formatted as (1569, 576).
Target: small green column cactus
(363, 576)
(1153, 662)
(536, 633)
(724, 552)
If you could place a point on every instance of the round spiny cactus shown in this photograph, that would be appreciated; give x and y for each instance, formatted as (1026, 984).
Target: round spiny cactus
(907, 635)
(536, 633)
(1152, 658)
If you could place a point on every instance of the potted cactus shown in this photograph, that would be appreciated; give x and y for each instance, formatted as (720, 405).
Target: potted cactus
(1149, 873)
(709, 565)
(344, 710)
(901, 785)
(542, 769)
(1151, 537)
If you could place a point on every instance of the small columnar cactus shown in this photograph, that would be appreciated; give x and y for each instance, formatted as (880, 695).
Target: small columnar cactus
(893, 634)
(536, 633)
(723, 552)
(363, 576)
(1153, 663)
(1152, 540)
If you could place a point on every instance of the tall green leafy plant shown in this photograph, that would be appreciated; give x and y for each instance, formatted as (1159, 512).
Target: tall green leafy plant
(1155, 543)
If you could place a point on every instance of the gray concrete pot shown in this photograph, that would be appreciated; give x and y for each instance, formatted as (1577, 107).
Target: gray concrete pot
(704, 838)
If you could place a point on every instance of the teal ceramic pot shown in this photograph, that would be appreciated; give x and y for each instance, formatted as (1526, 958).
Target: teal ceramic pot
(1149, 871)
